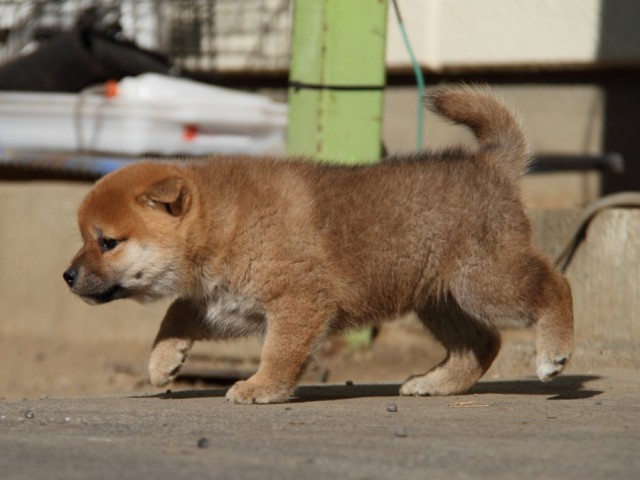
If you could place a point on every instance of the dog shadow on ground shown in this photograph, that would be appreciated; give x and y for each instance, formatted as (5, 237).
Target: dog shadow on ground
(568, 387)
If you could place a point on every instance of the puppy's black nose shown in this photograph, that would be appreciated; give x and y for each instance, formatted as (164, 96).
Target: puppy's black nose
(69, 276)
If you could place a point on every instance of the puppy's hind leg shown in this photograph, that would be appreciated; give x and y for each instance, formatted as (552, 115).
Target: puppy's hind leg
(471, 348)
(524, 288)
(181, 326)
(554, 333)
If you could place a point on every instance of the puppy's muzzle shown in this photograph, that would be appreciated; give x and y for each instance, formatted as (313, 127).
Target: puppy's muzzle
(92, 289)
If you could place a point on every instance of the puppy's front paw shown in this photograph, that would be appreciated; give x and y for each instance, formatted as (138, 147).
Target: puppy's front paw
(253, 391)
(166, 360)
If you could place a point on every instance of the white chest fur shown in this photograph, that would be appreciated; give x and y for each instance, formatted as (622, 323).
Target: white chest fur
(231, 315)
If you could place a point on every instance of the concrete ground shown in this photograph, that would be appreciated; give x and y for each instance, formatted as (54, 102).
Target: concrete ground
(580, 426)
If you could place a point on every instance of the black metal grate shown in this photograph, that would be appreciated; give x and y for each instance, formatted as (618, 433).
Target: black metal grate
(201, 35)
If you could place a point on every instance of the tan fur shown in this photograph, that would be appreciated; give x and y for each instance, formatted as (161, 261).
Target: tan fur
(294, 250)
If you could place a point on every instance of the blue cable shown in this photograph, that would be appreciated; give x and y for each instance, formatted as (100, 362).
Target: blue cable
(419, 78)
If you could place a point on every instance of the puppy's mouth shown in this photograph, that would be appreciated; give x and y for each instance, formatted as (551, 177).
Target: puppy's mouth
(104, 296)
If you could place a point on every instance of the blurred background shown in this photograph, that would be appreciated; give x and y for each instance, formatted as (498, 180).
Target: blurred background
(87, 86)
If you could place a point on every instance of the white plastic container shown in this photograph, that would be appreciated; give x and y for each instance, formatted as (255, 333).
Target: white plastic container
(149, 114)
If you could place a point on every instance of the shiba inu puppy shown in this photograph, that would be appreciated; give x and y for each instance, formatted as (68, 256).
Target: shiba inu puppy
(295, 250)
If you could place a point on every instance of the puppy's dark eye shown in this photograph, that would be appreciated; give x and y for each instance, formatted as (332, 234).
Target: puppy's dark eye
(107, 244)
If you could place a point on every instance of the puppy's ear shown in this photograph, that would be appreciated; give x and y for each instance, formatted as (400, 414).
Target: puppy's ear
(170, 195)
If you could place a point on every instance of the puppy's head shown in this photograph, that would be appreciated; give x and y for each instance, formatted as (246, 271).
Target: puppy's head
(132, 225)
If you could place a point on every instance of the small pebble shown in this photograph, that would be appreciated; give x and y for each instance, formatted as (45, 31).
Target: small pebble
(67, 419)
(2, 417)
(392, 407)
(28, 414)
(401, 432)
(288, 408)
(203, 443)
(598, 403)
(349, 383)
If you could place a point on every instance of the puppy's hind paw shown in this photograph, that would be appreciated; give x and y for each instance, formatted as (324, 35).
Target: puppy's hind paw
(435, 383)
(548, 369)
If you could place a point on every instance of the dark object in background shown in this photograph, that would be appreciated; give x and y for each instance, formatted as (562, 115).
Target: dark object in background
(611, 163)
(74, 60)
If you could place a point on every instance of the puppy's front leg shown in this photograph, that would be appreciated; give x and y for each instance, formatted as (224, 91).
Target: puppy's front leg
(181, 326)
(293, 330)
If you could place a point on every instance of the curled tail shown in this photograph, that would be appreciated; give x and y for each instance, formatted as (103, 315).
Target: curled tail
(494, 124)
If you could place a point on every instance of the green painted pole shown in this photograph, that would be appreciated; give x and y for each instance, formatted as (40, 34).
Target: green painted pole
(337, 44)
